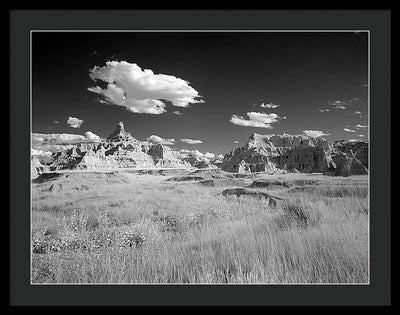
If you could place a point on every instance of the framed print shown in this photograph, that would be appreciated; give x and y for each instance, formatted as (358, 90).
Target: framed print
(219, 157)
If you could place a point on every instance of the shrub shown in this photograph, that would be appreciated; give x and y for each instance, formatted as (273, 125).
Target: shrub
(92, 223)
(302, 214)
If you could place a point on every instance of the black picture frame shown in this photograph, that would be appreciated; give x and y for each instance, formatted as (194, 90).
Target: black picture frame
(377, 22)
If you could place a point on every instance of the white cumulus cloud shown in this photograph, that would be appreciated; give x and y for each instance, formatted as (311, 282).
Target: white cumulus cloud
(338, 104)
(209, 155)
(198, 154)
(195, 153)
(354, 140)
(158, 140)
(315, 133)
(349, 130)
(191, 141)
(256, 119)
(52, 147)
(35, 152)
(91, 136)
(324, 110)
(74, 122)
(269, 105)
(56, 138)
(361, 126)
(62, 138)
(140, 90)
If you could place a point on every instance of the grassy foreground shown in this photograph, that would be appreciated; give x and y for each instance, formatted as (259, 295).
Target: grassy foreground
(125, 228)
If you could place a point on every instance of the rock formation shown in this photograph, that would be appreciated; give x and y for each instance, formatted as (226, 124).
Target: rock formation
(163, 156)
(348, 165)
(262, 153)
(297, 153)
(356, 149)
(238, 192)
(199, 162)
(118, 150)
(35, 166)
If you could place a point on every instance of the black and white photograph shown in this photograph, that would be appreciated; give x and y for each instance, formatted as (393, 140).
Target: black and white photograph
(200, 157)
(177, 157)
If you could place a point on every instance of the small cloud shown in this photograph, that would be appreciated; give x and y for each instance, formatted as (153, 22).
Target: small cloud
(209, 155)
(195, 153)
(315, 133)
(53, 147)
(35, 152)
(338, 104)
(56, 122)
(349, 130)
(270, 105)
(177, 112)
(62, 138)
(75, 122)
(159, 140)
(185, 151)
(324, 110)
(361, 126)
(235, 141)
(91, 136)
(357, 112)
(256, 120)
(191, 141)
(361, 136)
(365, 84)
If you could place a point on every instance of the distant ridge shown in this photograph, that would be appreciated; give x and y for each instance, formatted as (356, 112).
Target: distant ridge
(262, 153)
(298, 153)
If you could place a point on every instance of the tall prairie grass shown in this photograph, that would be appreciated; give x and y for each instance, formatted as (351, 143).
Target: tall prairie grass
(147, 230)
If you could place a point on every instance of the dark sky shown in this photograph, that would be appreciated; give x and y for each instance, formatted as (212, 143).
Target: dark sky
(233, 72)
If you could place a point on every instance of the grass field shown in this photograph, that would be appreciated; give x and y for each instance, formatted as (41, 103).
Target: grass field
(127, 228)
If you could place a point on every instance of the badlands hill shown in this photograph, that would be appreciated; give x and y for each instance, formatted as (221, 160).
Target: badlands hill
(118, 150)
(262, 153)
(298, 153)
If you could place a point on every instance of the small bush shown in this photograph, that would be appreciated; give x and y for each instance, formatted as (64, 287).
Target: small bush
(92, 223)
(301, 214)
(52, 231)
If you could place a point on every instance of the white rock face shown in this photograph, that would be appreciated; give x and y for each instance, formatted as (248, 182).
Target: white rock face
(270, 153)
(164, 156)
(37, 167)
(119, 150)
